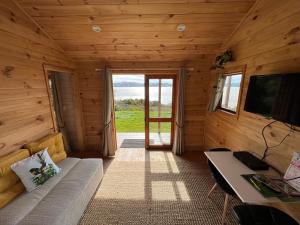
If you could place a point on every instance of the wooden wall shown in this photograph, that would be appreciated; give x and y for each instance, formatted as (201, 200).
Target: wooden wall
(24, 105)
(25, 110)
(91, 95)
(195, 103)
(91, 92)
(267, 41)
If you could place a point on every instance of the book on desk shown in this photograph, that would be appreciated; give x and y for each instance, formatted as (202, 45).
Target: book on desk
(273, 187)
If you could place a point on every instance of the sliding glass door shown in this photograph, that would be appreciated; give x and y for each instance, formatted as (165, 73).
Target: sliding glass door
(159, 111)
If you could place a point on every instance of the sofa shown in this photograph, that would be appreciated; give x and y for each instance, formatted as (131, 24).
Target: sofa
(61, 200)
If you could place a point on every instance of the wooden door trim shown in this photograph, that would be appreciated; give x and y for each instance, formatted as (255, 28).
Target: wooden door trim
(147, 111)
(174, 106)
(61, 69)
(146, 83)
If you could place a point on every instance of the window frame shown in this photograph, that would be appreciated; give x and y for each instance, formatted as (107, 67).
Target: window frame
(231, 72)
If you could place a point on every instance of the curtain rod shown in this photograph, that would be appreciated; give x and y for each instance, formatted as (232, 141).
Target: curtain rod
(160, 69)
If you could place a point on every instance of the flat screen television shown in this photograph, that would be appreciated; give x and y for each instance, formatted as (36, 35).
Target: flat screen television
(275, 96)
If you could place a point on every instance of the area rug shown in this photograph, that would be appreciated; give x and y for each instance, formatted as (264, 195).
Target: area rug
(156, 187)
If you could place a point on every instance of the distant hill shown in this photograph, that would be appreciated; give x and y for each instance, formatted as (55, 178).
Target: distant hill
(137, 84)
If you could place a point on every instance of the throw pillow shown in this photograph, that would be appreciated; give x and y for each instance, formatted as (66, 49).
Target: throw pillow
(35, 170)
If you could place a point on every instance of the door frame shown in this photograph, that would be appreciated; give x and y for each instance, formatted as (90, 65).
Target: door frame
(147, 111)
(48, 68)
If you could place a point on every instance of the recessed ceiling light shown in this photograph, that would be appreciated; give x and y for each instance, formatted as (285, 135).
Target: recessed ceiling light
(181, 27)
(96, 28)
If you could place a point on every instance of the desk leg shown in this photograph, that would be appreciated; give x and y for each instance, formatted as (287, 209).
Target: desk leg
(225, 208)
(213, 188)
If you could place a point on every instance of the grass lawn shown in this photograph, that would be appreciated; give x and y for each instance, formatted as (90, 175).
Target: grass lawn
(133, 121)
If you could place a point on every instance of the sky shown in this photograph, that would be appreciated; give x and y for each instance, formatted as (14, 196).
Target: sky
(236, 79)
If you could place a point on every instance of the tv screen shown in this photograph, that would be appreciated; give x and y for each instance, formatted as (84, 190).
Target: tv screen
(275, 96)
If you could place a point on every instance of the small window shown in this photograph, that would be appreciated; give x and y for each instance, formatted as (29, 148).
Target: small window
(231, 92)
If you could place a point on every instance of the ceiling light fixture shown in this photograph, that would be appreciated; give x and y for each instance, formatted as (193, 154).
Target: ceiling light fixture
(181, 27)
(96, 28)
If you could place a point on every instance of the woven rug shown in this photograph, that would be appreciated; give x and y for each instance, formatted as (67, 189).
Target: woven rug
(156, 187)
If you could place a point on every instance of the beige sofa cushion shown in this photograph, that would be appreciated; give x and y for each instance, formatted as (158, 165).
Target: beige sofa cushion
(65, 204)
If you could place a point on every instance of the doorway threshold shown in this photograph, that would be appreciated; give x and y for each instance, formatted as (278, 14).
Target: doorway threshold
(137, 140)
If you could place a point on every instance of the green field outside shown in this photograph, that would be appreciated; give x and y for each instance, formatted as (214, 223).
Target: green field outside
(133, 121)
(130, 115)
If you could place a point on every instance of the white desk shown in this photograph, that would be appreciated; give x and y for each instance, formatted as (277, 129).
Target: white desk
(232, 169)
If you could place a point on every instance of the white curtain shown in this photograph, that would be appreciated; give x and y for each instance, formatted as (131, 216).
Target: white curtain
(217, 93)
(108, 131)
(178, 146)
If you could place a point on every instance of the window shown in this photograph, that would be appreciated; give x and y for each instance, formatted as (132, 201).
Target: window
(231, 92)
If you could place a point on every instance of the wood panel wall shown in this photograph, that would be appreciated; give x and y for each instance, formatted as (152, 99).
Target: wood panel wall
(91, 92)
(24, 105)
(91, 95)
(268, 42)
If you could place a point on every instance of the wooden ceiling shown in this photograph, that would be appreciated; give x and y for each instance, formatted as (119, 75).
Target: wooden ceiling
(138, 30)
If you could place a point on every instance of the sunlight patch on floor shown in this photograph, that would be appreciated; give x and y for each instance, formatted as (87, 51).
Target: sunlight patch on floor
(169, 191)
(172, 162)
(157, 156)
(159, 167)
(126, 177)
(131, 188)
(163, 191)
(163, 163)
(182, 191)
(130, 154)
(123, 180)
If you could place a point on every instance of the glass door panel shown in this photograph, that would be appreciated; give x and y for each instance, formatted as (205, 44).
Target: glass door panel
(159, 111)
(167, 97)
(153, 97)
(160, 133)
